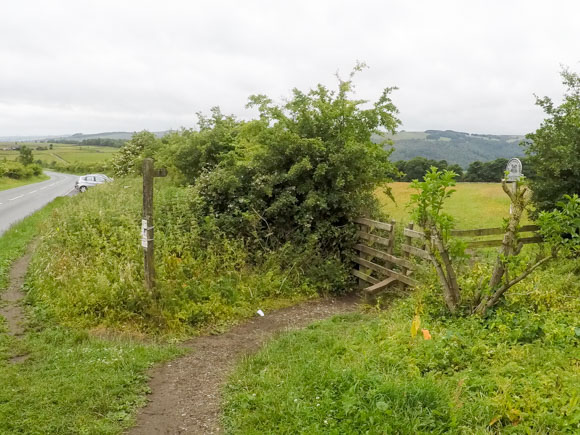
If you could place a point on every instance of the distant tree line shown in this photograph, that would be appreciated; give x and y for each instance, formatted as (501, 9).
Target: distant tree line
(492, 171)
(24, 167)
(103, 142)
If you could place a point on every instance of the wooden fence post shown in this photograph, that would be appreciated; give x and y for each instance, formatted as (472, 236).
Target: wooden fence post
(391, 247)
(147, 227)
(362, 283)
(409, 242)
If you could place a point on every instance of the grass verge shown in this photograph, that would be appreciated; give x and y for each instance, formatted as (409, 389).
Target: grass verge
(70, 380)
(16, 239)
(10, 183)
(516, 371)
(88, 270)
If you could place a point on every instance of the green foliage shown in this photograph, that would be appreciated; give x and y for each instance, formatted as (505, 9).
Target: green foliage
(80, 167)
(303, 171)
(25, 156)
(130, 157)
(417, 167)
(193, 152)
(19, 171)
(554, 148)
(428, 202)
(513, 372)
(70, 381)
(89, 269)
(265, 218)
(561, 227)
(486, 171)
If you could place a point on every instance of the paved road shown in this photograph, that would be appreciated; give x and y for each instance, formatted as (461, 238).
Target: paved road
(17, 203)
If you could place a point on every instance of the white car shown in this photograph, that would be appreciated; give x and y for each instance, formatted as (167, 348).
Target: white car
(90, 180)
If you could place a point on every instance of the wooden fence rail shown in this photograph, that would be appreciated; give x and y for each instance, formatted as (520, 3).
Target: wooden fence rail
(484, 232)
(379, 266)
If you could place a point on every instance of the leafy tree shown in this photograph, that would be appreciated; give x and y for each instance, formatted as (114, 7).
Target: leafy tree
(128, 160)
(554, 148)
(486, 171)
(457, 169)
(196, 151)
(428, 213)
(304, 169)
(417, 167)
(25, 157)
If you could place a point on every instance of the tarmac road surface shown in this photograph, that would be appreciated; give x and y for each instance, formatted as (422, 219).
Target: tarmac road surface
(17, 203)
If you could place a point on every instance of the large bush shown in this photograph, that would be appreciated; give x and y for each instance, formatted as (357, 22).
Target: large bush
(554, 148)
(304, 170)
(265, 213)
(18, 171)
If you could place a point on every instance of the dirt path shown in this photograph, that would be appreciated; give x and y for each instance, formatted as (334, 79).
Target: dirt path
(10, 307)
(186, 392)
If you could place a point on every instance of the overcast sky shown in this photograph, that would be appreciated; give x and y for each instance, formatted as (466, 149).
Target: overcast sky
(94, 66)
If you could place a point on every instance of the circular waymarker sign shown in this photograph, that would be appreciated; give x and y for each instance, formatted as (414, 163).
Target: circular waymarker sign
(514, 169)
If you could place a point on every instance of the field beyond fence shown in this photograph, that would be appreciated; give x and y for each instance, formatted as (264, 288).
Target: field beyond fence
(465, 205)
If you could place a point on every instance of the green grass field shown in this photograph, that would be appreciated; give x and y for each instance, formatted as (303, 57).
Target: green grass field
(62, 153)
(474, 205)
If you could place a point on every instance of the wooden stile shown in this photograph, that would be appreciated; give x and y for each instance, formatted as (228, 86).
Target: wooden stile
(384, 256)
(409, 249)
(374, 289)
(374, 224)
(413, 234)
(364, 276)
(385, 271)
(388, 243)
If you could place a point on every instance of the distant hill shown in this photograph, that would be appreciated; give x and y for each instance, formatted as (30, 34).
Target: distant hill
(122, 135)
(453, 146)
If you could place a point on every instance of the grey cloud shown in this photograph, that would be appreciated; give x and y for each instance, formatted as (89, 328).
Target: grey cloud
(70, 66)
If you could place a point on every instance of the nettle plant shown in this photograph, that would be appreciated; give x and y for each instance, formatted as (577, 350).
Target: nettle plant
(560, 228)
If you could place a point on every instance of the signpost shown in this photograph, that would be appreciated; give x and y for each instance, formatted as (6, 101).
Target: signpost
(514, 170)
(147, 228)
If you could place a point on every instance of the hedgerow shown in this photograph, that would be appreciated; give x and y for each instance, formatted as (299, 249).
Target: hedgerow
(252, 212)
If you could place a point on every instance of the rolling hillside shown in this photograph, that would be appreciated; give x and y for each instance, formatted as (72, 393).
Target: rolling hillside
(455, 147)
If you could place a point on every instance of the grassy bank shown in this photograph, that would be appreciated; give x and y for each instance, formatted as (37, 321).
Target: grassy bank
(9, 183)
(88, 271)
(516, 371)
(69, 380)
(17, 238)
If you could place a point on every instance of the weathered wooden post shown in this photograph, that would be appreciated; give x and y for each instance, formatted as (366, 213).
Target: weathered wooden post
(408, 242)
(147, 227)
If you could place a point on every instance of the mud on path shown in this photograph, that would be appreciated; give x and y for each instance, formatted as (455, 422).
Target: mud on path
(10, 300)
(185, 394)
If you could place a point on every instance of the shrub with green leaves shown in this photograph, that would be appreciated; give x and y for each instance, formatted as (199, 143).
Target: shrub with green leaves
(554, 148)
(88, 270)
(19, 171)
(304, 170)
(561, 227)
